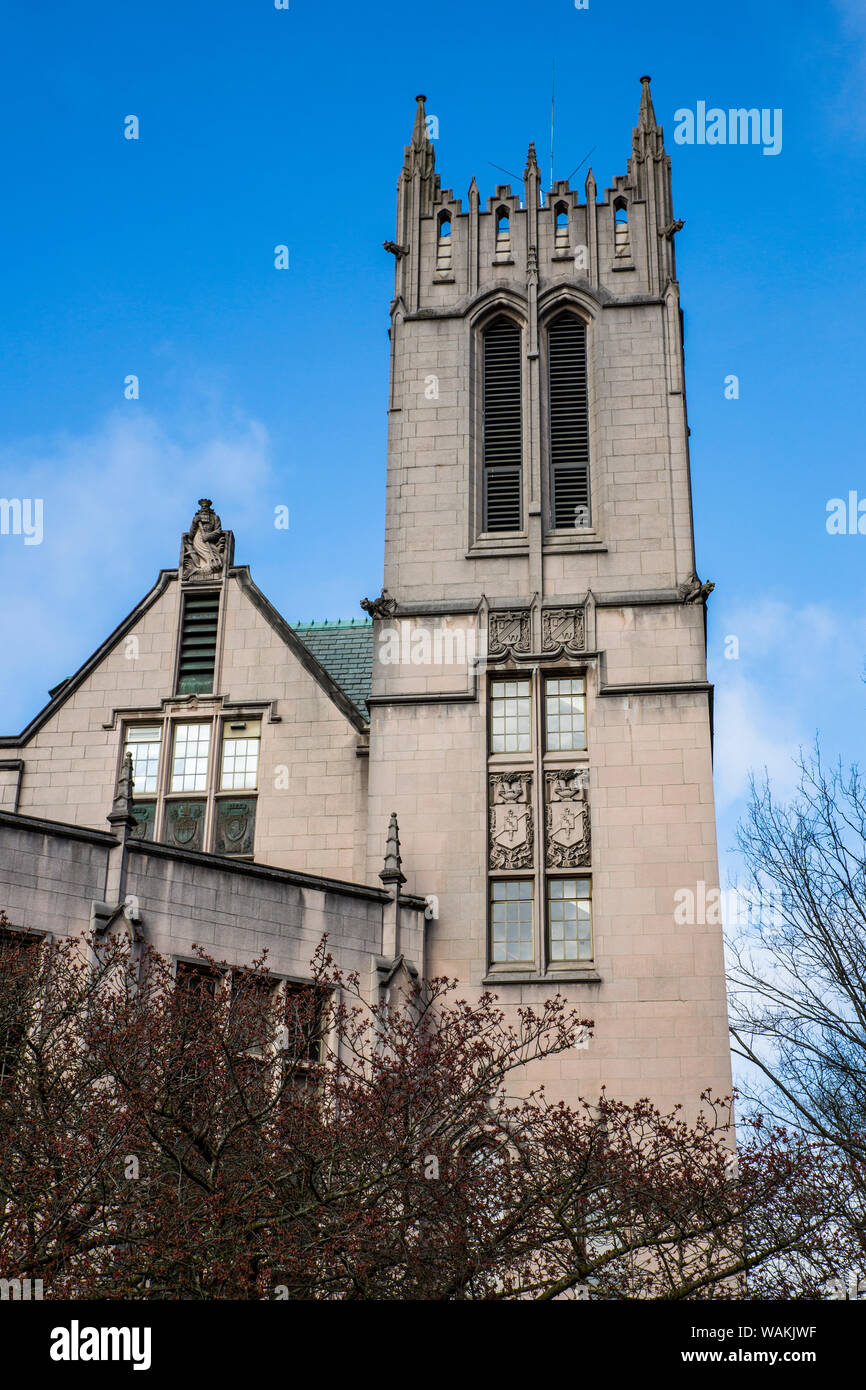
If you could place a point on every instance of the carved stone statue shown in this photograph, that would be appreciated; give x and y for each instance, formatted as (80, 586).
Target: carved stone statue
(382, 607)
(204, 549)
(693, 591)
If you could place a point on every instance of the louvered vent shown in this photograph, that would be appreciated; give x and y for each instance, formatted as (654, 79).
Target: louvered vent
(503, 445)
(198, 644)
(569, 423)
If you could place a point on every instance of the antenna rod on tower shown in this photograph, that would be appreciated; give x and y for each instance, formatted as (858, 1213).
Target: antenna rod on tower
(552, 109)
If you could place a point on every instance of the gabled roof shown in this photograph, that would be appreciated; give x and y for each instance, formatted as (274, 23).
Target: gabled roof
(339, 656)
(345, 649)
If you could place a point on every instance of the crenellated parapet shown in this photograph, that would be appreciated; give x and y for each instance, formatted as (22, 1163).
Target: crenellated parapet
(622, 245)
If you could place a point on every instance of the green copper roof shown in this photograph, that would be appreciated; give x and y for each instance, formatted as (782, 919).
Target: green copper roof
(345, 649)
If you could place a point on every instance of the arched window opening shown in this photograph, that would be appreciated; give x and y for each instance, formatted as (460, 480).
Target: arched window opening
(502, 427)
(444, 242)
(561, 237)
(621, 246)
(568, 432)
(503, 234)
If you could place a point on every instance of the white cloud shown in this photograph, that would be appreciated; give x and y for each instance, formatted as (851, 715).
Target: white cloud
(848, 103)
(799, 671)
(115, 504)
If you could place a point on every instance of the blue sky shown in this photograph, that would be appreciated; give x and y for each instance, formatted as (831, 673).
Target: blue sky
(259, 387)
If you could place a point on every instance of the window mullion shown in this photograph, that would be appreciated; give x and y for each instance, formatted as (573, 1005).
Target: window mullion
(538, 780)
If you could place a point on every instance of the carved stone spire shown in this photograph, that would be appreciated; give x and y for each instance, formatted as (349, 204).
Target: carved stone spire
(646, 116)
(420, 156)
(647, 136)
(531, 161)
(393, 870)
(121, 809)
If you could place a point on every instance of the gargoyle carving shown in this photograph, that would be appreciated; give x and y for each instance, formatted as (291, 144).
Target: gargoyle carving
(382, 607)
(693, 591)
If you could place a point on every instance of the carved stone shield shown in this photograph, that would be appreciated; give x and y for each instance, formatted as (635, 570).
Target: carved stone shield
(510, 826)
(563, 629)
(567, 823)
(508, 632)
(235, 827)
(184, 829)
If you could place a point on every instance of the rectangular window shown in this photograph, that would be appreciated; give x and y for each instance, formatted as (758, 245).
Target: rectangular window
(143, 741)
(198, 635)
(569, 909)
(511, 920)
(190, 761)
(565, 713)
(511, 717)
(240, 760)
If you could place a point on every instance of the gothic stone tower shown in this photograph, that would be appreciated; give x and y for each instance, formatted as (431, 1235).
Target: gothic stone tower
(556, 792)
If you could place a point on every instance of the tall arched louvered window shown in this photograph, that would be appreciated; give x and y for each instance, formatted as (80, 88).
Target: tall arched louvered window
(502, 427)
(569, 422)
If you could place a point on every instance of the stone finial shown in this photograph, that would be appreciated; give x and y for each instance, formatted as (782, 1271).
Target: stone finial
(531, 161)
(646, 116)
(647, 137)
(393, 870)
(121, 808)
(589, 186)
(420, 157)
(419, 130)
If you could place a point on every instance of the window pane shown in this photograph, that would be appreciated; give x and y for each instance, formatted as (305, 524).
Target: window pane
(569, 918)
(240, 762)
(565, 713)
(143, 742)
(510, 717)
(511, 913)
(190, 761)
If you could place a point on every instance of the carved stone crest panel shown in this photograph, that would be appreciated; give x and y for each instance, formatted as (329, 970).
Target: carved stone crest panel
(511, 825)
(509, 632)
(567, 823)
(563, 630)
(184, 824)
(145, 816)
(235, 826)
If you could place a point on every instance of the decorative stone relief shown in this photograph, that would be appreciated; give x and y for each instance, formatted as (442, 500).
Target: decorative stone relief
(235, 826)
(145, 815)
(563, 630)
(567, 819)
(693, 591)
(184, 824)
(203, 552)
(382, 607)
(509, 632)
(511, 827)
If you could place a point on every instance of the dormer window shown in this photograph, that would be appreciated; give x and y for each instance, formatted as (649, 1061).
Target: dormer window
(444, 243)
(560, 243)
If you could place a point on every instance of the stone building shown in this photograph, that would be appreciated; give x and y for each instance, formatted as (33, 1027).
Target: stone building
(528, 695)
